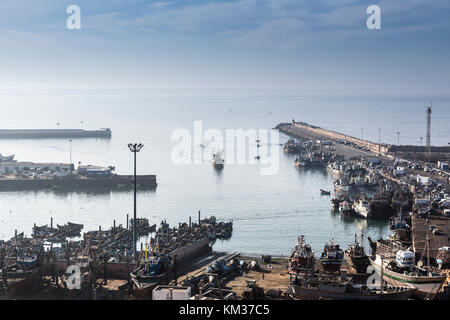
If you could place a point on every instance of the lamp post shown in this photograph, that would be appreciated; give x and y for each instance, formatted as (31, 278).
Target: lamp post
(421, 138)
(70, 153)
(398, 138)
(135, 148)
(379, 141)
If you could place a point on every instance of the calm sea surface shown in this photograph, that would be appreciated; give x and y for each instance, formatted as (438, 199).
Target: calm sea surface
(269, 211)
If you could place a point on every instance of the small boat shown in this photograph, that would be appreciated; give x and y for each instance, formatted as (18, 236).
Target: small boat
(302, 256)
(356, 257)
(217, 160)
(332, 257)
(324, 192)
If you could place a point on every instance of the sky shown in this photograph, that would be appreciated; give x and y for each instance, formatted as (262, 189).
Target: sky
(312, 46)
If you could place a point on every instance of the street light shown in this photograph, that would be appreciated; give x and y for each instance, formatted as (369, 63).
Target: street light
(421, 138)
(379, 141)
(70, 153)
(135, 148)
(398, 138)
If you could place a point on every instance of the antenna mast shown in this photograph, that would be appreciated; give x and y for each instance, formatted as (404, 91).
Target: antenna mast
(428, 138)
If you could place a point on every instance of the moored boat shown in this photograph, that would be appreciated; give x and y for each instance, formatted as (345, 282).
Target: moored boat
(217, 160)
(362, 208)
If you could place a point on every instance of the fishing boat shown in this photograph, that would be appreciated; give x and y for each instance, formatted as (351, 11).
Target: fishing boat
(323, 287)
(332, 257)
(152, 269)
(302, 256)
(345, 208)
(7, 158)
(324, 192)
(341, 185)
(356, 257)
(217, 160)
(362, 208)
(403, 271)
(27, 260)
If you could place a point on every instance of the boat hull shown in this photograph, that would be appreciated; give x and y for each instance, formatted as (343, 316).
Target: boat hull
(427, 287)
(331, 265)
(314, 293)
(359, 264)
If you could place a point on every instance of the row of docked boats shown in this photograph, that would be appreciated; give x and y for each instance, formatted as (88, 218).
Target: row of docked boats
(399, 276)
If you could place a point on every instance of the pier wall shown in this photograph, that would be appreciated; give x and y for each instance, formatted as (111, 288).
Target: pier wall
(410, 148)
(73, 182)
(54, 133)
(332, 135)
(194, 249)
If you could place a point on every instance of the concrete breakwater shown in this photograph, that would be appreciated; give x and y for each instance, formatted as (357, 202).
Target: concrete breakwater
(104, 133)
(303, 130)
(114, 181)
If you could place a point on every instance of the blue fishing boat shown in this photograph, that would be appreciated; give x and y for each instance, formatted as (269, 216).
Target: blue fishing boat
(152, 270)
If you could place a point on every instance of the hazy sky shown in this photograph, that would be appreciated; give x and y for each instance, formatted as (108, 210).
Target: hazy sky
(306, 45)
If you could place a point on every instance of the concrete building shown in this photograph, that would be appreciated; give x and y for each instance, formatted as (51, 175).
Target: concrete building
(171, 293)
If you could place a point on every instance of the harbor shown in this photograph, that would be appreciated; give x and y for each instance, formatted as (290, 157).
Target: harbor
(179, 263)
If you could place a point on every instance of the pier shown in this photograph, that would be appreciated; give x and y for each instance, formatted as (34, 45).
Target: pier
(104, 133)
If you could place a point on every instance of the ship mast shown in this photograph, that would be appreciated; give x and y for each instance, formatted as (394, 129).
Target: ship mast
(381, 271)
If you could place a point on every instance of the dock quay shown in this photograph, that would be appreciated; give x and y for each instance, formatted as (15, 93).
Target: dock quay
(425, 241)
(74, 183)
(104, 133)
(18, 175)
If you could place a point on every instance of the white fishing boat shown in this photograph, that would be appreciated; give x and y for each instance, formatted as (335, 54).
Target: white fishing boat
(7, 158)
(362, 208)
(402, 271)
(217, 160)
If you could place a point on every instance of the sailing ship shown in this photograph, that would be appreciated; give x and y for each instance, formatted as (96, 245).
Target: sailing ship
(302, 257)
(332, 257)
(356, 257)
